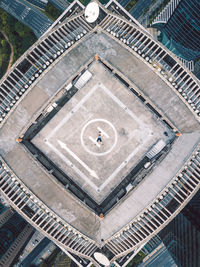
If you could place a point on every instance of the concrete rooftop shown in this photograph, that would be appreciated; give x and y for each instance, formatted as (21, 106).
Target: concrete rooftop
(128, 131)
(144, 78)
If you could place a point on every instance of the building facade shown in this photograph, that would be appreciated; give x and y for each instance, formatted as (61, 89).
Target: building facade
(182, 235)
(28, 15)
(119, 73)
(14, 233)
(179, 24)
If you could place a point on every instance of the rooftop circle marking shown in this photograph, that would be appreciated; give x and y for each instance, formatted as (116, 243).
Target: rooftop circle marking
(89, 136)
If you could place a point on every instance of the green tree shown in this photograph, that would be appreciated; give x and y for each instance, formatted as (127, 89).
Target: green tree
(20, 36)
(19, 29)
(3, 43)
(4, 18)
(7, 29)
(52, 12)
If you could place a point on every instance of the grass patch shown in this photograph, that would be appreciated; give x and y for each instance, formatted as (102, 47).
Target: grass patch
(4, 55)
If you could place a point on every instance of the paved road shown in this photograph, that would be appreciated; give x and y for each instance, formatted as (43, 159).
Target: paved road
(38, 3)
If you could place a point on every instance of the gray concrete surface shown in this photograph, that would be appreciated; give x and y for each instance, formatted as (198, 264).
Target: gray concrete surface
(42, 184)
(129, 130)
(139, 73)
(151, 186)
(152, 86)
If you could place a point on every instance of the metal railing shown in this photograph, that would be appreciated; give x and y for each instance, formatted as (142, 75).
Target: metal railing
(166, 65)
(41, 217)
(37, 61)
(166, 13)
(162, 209)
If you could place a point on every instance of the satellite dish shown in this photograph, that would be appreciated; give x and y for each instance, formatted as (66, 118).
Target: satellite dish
(92, 12)
(102, 259)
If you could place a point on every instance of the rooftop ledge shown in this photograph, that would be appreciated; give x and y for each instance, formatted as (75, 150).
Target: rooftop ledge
(149, 83)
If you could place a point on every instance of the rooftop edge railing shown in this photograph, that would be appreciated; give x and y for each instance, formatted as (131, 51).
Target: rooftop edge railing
(146, 224)
(37, 60)
(162, 209)
(41, 217)
(166, 13)
(167, 66)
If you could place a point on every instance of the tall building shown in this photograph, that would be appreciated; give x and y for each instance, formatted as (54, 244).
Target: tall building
(14, 233)
(159, 257)
(5, 215)
(182, 235)
(60, 4)
(100, 134)
(152, 244)
(28, 15)
(39, 3)
(179, 23)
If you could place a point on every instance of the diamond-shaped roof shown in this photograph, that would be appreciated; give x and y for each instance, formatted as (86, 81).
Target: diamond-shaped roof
(41, 85)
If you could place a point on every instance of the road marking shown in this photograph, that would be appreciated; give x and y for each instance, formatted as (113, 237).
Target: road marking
(94, 141)
(91, 172)
(103, 133)
(76, 108)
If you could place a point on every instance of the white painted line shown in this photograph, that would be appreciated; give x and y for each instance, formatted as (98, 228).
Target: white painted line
(103, 133)
(103, 153)
(116, 99)
(69, 163)
(121, 166)
(94, 141)
(70, 114)
(91, 172)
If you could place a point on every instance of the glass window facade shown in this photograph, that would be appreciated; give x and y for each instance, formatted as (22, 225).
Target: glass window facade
(182, 31)
(182, 235)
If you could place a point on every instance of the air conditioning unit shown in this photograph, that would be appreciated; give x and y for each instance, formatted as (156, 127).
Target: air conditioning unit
(156, 149)
(83, 79)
